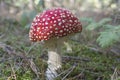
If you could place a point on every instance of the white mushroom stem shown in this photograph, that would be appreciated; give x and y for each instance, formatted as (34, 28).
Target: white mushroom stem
(54, 59)
(54, 63)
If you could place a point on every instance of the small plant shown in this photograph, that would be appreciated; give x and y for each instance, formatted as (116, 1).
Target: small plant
(108, 34)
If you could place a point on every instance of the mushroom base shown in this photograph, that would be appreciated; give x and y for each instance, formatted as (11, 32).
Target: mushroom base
(54, 64)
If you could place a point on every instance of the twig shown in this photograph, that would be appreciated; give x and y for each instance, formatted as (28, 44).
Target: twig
(73, 67)
(115, 75)
(13, 75)
(34, 67)
(79, 75)
(13, 72)
(65, 71)
(31, 48)
(2, 35)
(75, 58)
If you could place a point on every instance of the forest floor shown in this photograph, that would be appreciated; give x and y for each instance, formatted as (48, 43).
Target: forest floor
(22, 60)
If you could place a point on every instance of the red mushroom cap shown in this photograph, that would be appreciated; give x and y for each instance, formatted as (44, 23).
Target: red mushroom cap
(53, 23)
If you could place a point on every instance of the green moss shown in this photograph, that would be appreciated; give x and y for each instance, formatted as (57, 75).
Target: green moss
(97, 65)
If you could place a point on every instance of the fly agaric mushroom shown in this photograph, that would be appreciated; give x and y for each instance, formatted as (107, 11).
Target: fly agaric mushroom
(53, 27)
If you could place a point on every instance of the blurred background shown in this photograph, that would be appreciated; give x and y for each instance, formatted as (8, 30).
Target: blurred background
(99, 41)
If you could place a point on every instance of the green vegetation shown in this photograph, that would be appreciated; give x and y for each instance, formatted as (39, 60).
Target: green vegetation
(15, 58)
(108, 34)
(96, 51)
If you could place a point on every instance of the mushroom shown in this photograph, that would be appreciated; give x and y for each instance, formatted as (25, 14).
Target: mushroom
(53, 27)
